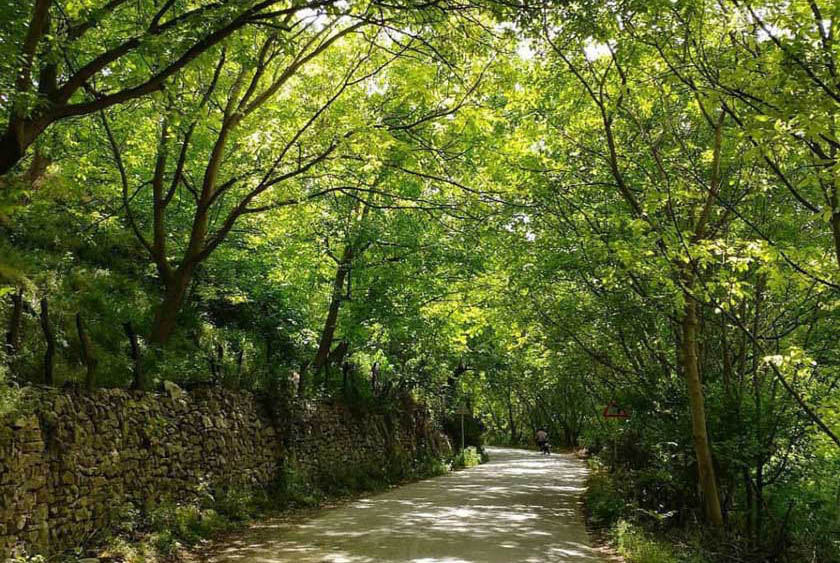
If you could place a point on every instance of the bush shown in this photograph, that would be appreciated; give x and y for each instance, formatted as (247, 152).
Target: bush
(604, 502)
(235, 503)
(430, 465)
(468, 457)
(186, 523)
(637, 547)
(292, 487)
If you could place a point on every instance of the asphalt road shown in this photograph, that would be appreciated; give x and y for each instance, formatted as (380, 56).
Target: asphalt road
(521, 506)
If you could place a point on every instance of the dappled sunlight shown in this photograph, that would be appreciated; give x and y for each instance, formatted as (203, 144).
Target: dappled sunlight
(519, 507)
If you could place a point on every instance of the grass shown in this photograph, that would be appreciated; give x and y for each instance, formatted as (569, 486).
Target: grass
(638, 546)
(616, 521)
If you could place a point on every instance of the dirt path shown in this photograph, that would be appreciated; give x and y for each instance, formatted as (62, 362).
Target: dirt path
(518, 507)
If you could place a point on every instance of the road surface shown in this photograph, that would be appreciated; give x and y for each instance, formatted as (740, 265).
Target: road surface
(520, 506)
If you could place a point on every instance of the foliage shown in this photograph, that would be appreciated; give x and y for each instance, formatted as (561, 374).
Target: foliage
(468, 457)
(637, 547)
(534, 210)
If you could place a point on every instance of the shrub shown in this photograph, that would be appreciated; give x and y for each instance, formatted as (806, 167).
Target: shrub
(291, 487)
(468, 457)
(637, 547)
(604, 502)
(235, 503)
(187, 523)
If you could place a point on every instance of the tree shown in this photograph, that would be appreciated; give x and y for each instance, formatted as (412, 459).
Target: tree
(63, 64)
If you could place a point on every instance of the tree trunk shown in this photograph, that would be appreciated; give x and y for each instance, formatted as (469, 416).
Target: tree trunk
(11, 152)
(511, 420)
(240, 356)
(217, 363)
(345, 377)
(835, 223)
(19, 134)
(87, 354)
(139, 381)
(301, 390)
(49, 336)
(691, 370)
(13, 334)
(328, 333)
(166, 314)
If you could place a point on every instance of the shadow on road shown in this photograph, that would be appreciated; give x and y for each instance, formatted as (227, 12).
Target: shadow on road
(519, 507)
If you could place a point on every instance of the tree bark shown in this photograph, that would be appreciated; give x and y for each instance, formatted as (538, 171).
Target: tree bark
(301, 390)
(239, 361)
(511, 419)
(166, 314)
(49, 336)
(13, 334)
(328, 333)
(139, 381)
(11, 152)
(691, 372)
(835, 222)
(87, 354)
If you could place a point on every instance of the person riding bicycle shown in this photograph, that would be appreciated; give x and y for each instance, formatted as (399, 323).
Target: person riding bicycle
(542, 440)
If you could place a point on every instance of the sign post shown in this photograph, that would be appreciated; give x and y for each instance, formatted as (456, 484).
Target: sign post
(462, 410)
(613, 411)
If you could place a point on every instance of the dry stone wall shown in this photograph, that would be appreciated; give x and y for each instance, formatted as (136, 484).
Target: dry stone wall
(75, 460)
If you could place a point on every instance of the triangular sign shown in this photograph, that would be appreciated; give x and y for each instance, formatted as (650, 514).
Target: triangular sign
(612, 410)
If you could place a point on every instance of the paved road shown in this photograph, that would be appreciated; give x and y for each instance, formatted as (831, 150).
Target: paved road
(519, 507)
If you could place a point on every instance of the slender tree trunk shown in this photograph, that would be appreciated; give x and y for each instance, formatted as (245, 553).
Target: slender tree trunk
(240, 355)
(13, 334)
(328, 333)
(749, 501)
(759, 498)
(49, 336)
(139, 381)
(691, 370)
(514, 435)
(345, 377)
(87, 354)
(835, 223)
(301, 390)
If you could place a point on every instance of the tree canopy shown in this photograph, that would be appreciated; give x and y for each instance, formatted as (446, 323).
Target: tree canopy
(540, 210)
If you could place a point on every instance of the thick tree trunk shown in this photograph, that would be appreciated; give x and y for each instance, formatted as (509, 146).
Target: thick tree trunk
(11, 152)
(166, 314)
(87, 354)
(19, 135)
(49, 336)
(691, 371)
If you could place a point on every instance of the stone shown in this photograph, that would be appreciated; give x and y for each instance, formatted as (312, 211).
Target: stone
(173, 391)
(117, 446)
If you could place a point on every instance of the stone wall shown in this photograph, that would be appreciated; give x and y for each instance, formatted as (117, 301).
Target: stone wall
(324, 440)
(70, 464)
